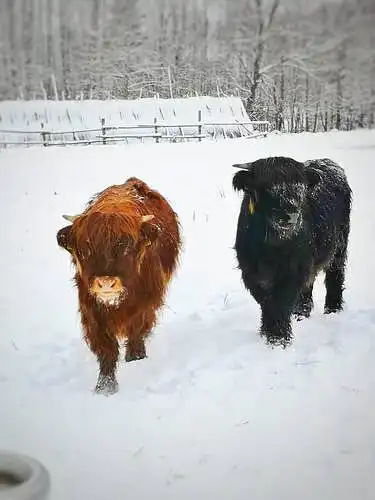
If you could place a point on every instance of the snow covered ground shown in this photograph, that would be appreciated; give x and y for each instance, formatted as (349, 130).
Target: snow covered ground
(212, 413)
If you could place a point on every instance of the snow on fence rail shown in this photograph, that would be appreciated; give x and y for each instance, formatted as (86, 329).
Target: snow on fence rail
(50, 123)
(108, 134)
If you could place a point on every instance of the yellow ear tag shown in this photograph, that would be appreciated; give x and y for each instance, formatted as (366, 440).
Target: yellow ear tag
(251, 206)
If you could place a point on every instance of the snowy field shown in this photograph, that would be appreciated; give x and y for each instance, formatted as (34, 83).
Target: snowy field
(212, 413)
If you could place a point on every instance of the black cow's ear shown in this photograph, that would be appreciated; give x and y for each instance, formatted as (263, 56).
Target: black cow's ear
(313, 176)
(241, 181)
(64, 238)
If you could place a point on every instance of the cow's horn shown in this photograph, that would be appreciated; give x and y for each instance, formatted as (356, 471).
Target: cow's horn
(243, 166)
(70, 218)
(146, 218)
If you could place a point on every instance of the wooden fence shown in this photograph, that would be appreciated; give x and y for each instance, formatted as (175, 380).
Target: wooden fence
(157, 132)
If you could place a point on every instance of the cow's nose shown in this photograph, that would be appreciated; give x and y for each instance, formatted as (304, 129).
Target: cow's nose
(107, 289)
(106, 282)
(293, 217)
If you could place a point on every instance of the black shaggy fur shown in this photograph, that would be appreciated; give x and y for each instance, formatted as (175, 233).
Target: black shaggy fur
(294, 222)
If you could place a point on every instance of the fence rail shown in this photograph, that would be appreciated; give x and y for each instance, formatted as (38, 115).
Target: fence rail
(162, 131)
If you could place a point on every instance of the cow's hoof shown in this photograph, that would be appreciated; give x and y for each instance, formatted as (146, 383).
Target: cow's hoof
(106, 386)
(273, 340)
(281, 342)
(303, 311)
(135, 351)
(135, 356)
(301, 316)
(332, 310)
(333, 307)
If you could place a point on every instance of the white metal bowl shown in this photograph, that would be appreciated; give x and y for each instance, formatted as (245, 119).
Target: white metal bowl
(22, 478)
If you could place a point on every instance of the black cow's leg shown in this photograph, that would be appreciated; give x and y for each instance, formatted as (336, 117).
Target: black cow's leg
(304, 304)
(276, 323)
(277, 311)
(334, 279)
(334, 282)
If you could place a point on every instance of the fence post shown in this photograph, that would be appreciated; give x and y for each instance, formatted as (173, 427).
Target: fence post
(103, 131)
(44, 135)
(200, 124)
(156, 130)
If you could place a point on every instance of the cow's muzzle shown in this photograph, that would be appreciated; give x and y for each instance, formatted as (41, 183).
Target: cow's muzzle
(108, 290)
(288, 226)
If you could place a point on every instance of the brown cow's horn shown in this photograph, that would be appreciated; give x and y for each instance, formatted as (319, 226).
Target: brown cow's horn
(70, 218)
(147, 218)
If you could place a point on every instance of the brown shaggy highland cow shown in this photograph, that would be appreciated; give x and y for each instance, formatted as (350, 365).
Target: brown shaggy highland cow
(125, 248)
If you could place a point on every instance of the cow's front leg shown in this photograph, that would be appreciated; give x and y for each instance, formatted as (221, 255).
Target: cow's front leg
(304, 304)
(106, 349)
(107, 383)
(137, 331)
(135, 349)
(276, 313)
(276, 324)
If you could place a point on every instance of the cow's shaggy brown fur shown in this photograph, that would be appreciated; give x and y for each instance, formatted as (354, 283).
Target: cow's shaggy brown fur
(128, 232)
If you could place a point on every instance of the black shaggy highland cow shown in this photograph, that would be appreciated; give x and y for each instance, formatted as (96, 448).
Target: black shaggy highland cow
(294, 222)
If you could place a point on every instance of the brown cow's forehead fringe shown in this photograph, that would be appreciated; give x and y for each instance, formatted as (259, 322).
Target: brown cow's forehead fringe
(101, 229)
(133, 191)
(112, 214)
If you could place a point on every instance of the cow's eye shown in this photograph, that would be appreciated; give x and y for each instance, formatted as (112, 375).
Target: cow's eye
(123, 246)
(277, 211)
(84, 254)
